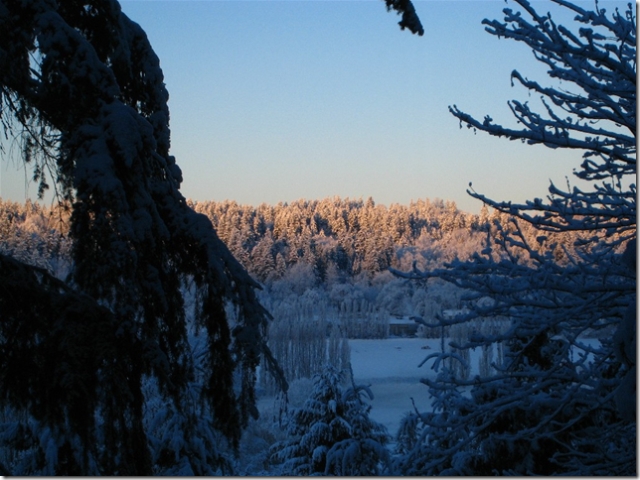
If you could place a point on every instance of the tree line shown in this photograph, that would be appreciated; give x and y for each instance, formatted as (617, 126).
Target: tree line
(343, 238)
(334, 252)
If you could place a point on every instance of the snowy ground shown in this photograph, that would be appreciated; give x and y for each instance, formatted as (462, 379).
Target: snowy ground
(390, 367)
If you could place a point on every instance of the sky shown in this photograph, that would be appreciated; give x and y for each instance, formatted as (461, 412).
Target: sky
(277, 100)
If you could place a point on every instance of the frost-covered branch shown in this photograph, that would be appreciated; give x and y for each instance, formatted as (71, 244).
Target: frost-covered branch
(598, 117)
(562, 399)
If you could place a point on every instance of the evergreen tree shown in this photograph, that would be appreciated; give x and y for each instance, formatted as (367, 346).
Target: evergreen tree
(561, 402)
(262, 263)
(82, 87)
(82, 90)
(331, 434)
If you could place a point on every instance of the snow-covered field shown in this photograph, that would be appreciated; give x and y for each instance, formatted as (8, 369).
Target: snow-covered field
(390, 367)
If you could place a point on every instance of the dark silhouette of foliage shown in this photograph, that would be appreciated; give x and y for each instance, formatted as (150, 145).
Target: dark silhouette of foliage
(81, 85)
(410, 18)
(82, 90)
(558, 404)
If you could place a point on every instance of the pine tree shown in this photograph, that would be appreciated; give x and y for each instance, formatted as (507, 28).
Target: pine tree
(262, 263)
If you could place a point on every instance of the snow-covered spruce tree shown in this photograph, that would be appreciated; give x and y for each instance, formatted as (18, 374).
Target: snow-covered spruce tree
(332, 434)
(563, 400)
(82, 89)
(81, 85)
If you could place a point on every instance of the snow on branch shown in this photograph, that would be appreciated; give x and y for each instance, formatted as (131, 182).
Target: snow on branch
(87, 73)
(600, 116)
(561, 400)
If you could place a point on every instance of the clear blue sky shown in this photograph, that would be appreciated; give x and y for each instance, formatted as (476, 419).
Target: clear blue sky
(280, 100)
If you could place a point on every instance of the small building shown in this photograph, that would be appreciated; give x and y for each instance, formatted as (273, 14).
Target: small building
(402, 327)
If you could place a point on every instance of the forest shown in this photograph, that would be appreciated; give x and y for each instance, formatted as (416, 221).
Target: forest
(324, 270)
(142, 333)
(336, 250)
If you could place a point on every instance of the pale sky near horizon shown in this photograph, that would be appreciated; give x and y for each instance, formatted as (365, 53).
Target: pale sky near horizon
(277, 100)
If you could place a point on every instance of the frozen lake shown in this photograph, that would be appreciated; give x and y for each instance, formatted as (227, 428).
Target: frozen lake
(390, 367)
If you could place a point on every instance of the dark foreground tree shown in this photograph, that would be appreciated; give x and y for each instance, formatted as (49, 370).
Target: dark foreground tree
(82, 90)
(82, 87)
(563, 400)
